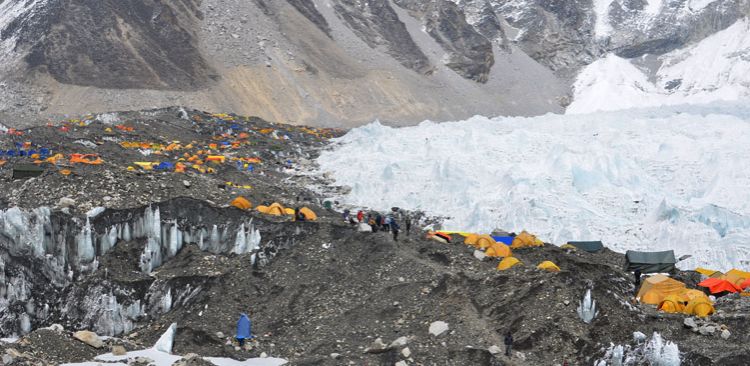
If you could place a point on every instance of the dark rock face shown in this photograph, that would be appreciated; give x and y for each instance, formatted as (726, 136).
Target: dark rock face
(144, 44)
(470, 53)
(376, 23)
(308, 9)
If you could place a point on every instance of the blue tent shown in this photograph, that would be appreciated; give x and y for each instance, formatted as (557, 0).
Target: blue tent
(244, 327)
(507, 240)
(165, 165)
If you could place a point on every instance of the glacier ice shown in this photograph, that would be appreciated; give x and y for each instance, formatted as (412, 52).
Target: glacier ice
(587, 308)
(652, 179)
(655, 351)
(165, 342)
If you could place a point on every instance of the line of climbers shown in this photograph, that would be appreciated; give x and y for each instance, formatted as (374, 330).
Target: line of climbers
(375, 221)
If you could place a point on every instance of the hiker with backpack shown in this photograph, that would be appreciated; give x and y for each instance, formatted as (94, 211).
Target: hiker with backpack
(508, 344)
(394, 229)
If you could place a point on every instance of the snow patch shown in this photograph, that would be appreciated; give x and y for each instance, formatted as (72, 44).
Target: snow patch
(614, 83)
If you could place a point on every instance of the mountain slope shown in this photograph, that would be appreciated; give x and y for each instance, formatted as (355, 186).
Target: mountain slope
(331, 62)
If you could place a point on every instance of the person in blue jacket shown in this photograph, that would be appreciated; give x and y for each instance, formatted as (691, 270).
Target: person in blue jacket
(244, 329)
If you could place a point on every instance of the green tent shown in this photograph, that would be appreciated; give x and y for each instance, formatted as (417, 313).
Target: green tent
(589, 246)
(23, 171)
(650, 262)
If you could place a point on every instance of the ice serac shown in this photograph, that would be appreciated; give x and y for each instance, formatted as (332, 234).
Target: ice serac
(59, 249)
(643, 180)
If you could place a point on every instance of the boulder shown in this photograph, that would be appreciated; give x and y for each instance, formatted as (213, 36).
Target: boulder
(377, 346)
(406, 352)
(689, 323)
(335, 356)
(439, 327)
(725, 334)
(399, 342)
(118, 350)
(495, 350)
(66, 202)
(478, 254)
(89, 338)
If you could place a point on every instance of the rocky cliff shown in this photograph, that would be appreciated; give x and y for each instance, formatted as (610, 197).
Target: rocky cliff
(341, 62)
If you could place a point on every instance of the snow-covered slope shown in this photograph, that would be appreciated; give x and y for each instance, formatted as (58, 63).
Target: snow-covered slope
(648, 179)
(717, 68)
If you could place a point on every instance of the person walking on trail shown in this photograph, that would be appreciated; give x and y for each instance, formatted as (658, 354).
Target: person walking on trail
(345, 215)
(637, 279)
(508, 344)
(378, 221)
(394, 229)
(407, 223)
(360, 216)
(244, 329)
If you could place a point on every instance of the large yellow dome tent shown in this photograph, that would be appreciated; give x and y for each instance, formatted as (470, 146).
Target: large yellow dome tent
(275, 209)
(657, 287)
(308, 213)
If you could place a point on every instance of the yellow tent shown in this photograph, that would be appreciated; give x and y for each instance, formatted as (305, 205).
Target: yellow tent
(693, 294)
(289, 211)
(479, 241)
(652, 297)
(498, 250)
(699, 307)
(525, 240)
(672, 304)
(705, 271)
(664, 286)
(568, 246)
(548, 266)
(309, 214)
(275, 209)
(470, 239)
(242, 203)
(507, 263)
(736, 276)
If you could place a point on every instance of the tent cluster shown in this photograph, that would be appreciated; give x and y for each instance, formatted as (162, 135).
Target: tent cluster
(719, 283)
(672, 296)
(498, 246)
(275, 209)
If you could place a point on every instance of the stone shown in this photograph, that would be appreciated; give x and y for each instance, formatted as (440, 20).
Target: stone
(56, 328)
(377, 346)
(118, 350)
(399, 342)
(478, 254)
(495, 350)
(263, 355)
(406, 352)
(707, 330)
(219, 335)
(725, 334)
(7, 359)
(439, 327)
(401, 363)
(186, 183)
(689, 323)
(66, 202)
(89, 338)
(335, 356)
(566, 302)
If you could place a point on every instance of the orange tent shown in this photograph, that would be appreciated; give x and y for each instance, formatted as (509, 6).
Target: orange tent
(745, 284)
(672, 304)
(525, 240)
(716, 285)
(308, 213)
(736, 277)
(498, 250)
(242, 203)
(91, 159)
